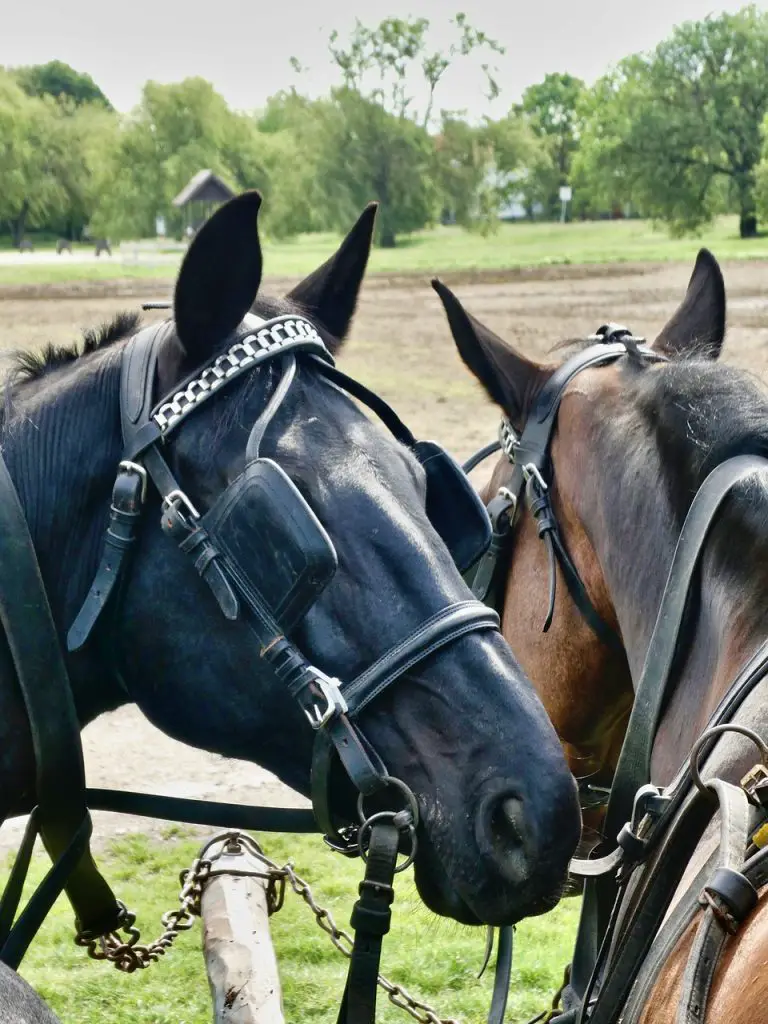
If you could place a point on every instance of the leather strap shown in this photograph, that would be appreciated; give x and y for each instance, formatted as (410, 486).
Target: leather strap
(633, 768)
(652, 900)
(42, 676)
(124, 516)
(15, 943)
(371, 918)
(442, 628)
(502, 976)
(634, 764)
(712, 934)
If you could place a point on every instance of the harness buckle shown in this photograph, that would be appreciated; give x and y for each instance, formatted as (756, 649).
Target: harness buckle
(135, 467)
(180, 497)
(531, 472)
(335, 704)
(754, 784)
(650, 802)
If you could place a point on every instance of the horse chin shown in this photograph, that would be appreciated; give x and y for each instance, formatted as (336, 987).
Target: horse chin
(442, 898)
(438, 895)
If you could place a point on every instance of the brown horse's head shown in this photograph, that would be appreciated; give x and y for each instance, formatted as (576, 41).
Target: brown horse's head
(614, 519)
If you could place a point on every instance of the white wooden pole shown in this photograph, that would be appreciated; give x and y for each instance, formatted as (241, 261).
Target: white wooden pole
(237, 945)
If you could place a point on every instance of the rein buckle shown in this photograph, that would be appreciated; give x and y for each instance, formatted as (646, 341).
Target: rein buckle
(334, 701)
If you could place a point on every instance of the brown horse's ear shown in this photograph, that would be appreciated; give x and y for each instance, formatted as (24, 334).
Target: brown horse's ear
(219, 277)
(330, 293)
(511, 380)
(698, 326)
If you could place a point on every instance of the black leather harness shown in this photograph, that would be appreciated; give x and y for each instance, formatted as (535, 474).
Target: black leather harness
(61, 806)
(649, 834)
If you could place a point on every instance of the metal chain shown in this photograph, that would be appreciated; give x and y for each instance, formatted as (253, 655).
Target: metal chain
(128, 955)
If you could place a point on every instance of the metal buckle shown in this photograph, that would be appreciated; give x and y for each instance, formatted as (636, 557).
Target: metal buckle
(334, 701)
(508, 439)
(650, 802)
(346, 843)
(531, 472)
(180, 496)
(135, 467)
(753, 781)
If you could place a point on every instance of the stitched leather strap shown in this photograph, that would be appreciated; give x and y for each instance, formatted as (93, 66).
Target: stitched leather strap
(634, 764)
(712, 935)
(442, 628)
(371, 917)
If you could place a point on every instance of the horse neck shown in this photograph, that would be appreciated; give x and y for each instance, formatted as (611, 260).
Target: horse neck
(61, 443)
(724, 622)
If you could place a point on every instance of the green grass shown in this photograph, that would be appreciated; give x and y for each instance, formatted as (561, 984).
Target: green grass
(434, 959)
(451, 249)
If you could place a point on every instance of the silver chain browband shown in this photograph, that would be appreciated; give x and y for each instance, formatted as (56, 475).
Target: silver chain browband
(283, 333)
(508, 439)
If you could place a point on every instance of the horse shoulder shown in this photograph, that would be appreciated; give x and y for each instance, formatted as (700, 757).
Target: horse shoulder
(740, 986)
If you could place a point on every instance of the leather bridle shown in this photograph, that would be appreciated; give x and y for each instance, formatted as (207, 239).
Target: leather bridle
(330, 708)
(531, 479)
(642, 820)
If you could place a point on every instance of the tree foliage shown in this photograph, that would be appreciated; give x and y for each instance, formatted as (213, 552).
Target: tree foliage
(553, 110)
(376, 142)
(49, 159)
(61, 81)
(677, 131)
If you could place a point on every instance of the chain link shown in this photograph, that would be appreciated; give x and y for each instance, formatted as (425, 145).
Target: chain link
(129, 955)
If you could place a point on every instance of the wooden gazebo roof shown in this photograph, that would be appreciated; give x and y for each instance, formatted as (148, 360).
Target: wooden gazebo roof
(204, 187)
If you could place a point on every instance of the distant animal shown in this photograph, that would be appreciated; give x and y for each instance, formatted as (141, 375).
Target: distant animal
(102, 245)
(25, 245)
(62, 245)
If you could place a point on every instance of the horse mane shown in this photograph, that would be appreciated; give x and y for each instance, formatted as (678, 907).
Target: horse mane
(29, 365)
(702, 413)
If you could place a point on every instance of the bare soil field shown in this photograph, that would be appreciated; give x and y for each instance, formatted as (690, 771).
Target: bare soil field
(401, 347)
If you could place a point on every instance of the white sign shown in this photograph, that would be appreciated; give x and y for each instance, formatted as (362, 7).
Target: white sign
(160, 227)
(566, 193)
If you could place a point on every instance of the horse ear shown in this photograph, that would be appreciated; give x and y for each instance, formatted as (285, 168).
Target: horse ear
(511, 380)
(219, 276)
(698, 326)
(330, 293)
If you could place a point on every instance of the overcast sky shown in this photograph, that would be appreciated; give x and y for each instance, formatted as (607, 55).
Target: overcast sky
(243, 48)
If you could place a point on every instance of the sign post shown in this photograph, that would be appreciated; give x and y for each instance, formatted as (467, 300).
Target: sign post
(566, 194)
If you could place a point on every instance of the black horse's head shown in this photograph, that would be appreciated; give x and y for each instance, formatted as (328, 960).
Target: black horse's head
(463, 729)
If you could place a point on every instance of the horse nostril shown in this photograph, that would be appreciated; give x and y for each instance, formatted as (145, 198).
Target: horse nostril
(504, 834)
(505, 821)
(509, 814)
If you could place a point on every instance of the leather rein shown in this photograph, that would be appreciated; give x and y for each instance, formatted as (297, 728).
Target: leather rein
(648, 830)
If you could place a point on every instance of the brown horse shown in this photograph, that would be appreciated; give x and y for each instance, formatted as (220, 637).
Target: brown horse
(632, 444)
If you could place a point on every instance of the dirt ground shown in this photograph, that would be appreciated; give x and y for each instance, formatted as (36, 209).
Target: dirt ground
(400, 346)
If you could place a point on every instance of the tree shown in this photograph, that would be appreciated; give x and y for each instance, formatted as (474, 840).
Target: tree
(552, 109)
(175, 131)
(376, 143)
(677, 131)
(33, 157)
(366, 153)
(59, 80)
(479, 168)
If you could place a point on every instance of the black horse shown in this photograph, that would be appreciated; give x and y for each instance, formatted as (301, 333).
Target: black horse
(464, 730)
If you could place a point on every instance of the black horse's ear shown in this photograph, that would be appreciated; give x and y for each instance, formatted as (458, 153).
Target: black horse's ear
(511, 380)
(698, 326)
(219, 276)
(330, 293)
